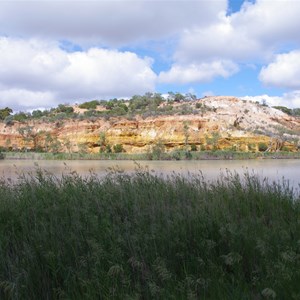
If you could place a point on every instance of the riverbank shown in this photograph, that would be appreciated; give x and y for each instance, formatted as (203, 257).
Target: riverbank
(141, 236)
(175, 155)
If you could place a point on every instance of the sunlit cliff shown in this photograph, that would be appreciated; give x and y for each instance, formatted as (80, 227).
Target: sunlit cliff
(206, 124)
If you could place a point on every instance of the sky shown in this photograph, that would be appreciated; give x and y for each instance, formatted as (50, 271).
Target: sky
(65, 51)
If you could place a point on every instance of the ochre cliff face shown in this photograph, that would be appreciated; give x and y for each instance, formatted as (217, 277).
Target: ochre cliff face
(222, 123)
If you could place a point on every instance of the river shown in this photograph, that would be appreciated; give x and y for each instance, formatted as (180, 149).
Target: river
(272, 169)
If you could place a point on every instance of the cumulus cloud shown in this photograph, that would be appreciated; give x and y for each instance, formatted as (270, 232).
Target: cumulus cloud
(290, 99)
(283, 72)
(222, 40)
(43, 70)
(105, 21)
(270, 22)
(206, 43)
(25, 100)
(202, 72)
(252, 34)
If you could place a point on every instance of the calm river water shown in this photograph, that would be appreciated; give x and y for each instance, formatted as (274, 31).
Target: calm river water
(274, 170)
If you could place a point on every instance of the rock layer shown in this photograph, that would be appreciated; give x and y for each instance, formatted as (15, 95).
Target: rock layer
(216, 123)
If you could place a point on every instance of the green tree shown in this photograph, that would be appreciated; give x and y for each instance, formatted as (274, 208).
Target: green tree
(29, 136)
(9, 120)
(55, 145)
(158, 150)
(186, 134)
(48, 141)
(178, 97)
(21, 116)
(65, 109)
(5, 113)
(90, 104)
(213, 139)
(102, 142)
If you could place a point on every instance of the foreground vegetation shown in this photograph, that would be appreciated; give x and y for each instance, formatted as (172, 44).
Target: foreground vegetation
(155, 154)
(144, 237)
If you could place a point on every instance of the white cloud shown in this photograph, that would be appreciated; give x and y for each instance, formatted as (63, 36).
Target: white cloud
(20, 99)
(202, 72)
(39, 68)
(291, 99)
(251, 35)
(222, 40)
(105, 21)
(283, 72)
(271, 22)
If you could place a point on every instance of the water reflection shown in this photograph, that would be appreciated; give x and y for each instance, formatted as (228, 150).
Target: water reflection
(274, 170)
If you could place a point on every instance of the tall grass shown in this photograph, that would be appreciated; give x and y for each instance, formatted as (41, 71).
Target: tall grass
(144, 237)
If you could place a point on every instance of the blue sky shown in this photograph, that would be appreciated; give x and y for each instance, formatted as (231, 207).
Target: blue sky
(65, 51)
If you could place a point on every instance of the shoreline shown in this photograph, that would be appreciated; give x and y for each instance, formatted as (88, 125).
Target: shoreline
(171, 156)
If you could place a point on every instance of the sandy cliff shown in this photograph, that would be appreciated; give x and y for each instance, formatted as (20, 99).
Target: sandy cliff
(215, 122)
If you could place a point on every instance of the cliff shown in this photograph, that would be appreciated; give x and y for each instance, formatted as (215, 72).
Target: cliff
(211, 123)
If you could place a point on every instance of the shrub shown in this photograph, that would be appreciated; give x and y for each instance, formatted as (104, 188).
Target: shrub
(158, 150)
(188, 155)
(176, 155)
(90, 104)
(118, 148)
(193, 147)
(262, 147)
(9, 120)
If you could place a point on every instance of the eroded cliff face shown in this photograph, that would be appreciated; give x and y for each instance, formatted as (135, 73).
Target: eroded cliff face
(216, 123)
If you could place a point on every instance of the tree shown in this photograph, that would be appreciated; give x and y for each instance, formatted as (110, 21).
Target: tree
(186, 133)
(190, 97)
(264, 102)
(9, 120)
(29, 136)
(68, 145)
(21, 116)
(90, 104)
(55, 145)
(102, 142)
(214, 139)
(158, 150)
(65, 109)
(178, 97)
(5, 113)
(48, 141)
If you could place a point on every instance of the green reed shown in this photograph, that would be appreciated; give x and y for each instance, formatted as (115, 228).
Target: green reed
(144, 237)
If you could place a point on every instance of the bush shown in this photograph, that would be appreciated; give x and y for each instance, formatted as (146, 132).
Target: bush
(176, 155)
(118, 148)
(90, 104)
(188, 155)
(158, 150)
(262, 147)
(193, 147)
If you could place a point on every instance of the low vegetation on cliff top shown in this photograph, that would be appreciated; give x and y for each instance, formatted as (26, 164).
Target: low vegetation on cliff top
(144, 237)
(150, 104)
